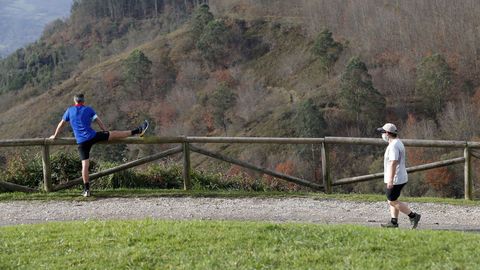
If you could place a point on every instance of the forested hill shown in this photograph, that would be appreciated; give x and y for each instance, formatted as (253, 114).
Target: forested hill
(305, 68)
(22, 21)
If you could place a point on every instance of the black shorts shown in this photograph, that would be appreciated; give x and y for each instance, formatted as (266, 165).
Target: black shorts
(84, 148)
(394, 193)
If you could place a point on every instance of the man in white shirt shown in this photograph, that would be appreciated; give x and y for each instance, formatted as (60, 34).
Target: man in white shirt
(395, 176)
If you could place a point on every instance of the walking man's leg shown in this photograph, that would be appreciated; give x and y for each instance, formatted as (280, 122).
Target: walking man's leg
(399, 207)
(403, 207)
(395, 208)
(393, 213)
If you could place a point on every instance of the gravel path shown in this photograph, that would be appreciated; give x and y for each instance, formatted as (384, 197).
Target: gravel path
(434, 216)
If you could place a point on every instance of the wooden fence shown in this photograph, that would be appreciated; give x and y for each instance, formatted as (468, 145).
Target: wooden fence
(186, 147)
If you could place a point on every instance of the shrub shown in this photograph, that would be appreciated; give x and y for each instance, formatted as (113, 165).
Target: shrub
(209, 181)
(26, 169)
(153, 176)
(165, 176)
(67, 166)
(169, 176)
(23, 169)
(123, 179)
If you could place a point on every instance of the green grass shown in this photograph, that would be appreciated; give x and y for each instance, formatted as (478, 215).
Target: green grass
(149, 244)
(71, 195)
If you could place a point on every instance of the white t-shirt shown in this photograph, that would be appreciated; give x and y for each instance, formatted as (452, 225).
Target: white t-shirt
(395, 151)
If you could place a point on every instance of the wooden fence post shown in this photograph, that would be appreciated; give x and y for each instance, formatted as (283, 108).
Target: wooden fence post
(327, 181)
(186, 166)
(47, 172)
(468, 174)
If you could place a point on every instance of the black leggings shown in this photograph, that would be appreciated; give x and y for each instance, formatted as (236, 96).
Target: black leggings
(394, 193)
(84, 148)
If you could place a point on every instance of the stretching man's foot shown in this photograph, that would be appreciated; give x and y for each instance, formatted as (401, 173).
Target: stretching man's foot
(141, 129)
(144, 128)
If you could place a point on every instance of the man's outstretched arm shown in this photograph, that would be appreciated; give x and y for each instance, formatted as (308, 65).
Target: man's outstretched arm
(59, 129)
(100, 124)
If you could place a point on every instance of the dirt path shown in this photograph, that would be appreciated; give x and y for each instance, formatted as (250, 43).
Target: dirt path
(434, 216)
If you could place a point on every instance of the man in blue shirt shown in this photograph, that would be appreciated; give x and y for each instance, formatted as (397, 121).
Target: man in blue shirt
(81, 117)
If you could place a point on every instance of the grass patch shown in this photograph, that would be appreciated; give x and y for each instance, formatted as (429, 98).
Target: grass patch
(70, 195)
(74, 195)
(149, 244)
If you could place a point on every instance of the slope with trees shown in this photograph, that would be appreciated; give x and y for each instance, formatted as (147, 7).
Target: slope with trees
(212, 70)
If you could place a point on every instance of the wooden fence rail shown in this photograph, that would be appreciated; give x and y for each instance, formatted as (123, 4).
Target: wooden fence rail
(418, 168)
(185, 147)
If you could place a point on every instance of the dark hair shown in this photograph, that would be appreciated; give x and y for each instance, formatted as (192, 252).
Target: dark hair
(79, 98)
(392, 134)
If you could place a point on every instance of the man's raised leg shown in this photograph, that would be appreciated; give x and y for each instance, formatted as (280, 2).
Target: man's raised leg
(127, 133)
(119, 134)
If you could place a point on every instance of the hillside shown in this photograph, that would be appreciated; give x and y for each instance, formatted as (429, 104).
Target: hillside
(22, 22)
(258, 68)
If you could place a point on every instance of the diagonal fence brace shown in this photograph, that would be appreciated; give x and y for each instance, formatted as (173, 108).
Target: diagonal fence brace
(122, 167)
(244, 164)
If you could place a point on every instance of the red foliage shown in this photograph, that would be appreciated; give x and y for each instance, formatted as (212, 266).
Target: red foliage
(112, 79)
(439, 179)
(209, 121)
(288, 168)
(165, 114)
(416, 156)
(409, 127)
(224, 76)
(236, 170)
(411, 120)
(476, 97)
(389, 58)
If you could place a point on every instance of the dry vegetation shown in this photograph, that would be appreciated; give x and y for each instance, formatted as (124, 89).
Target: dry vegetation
(270, 70)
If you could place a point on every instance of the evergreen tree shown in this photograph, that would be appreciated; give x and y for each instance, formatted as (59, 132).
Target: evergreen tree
(138, 72)
(200, 19)
(327, 49)
(222, 100)
(363, 103)
(309, 120)
(311, 124)
(432, 84)
(215, 42)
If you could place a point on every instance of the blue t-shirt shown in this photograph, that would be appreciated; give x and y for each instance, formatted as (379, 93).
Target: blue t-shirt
(81, 118)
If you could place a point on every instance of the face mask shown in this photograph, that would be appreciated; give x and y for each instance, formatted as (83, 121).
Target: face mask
(385, 137)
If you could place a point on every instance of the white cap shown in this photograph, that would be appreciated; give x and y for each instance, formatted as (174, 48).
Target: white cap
(388, 127)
